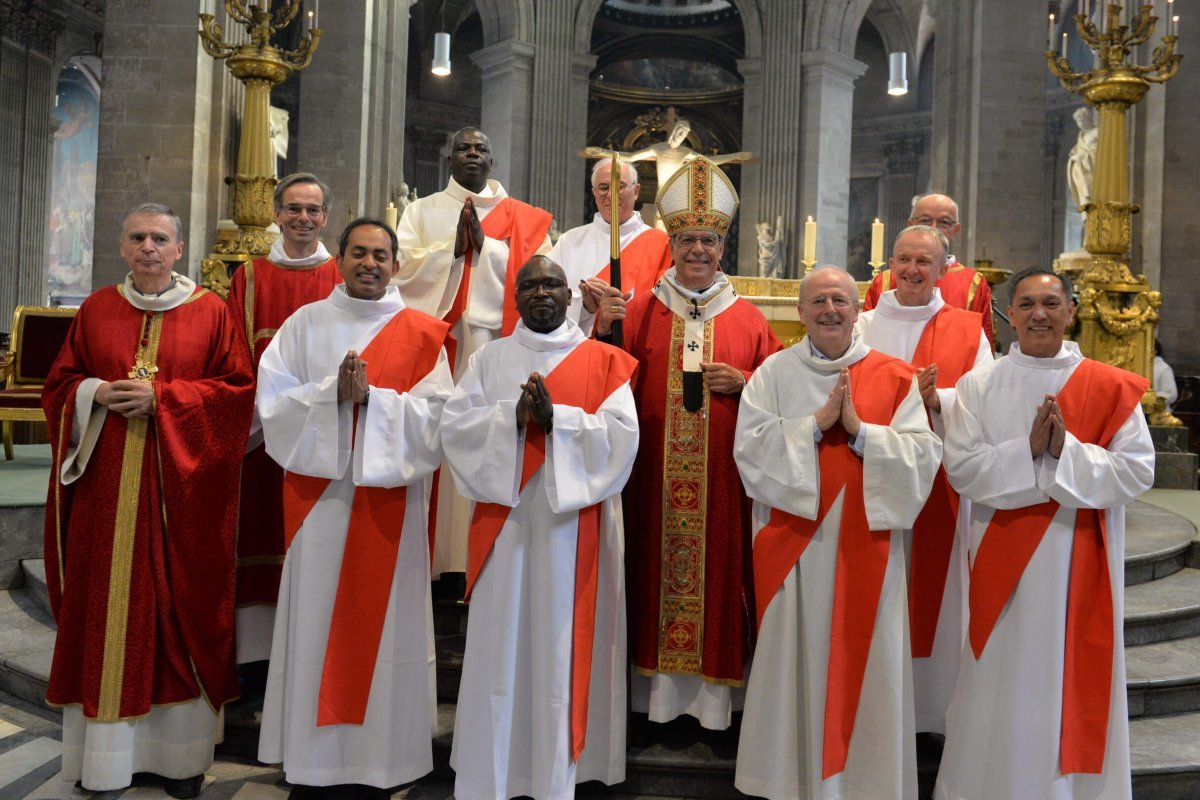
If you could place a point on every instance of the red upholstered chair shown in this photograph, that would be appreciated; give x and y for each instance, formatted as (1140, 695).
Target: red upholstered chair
(37, 336)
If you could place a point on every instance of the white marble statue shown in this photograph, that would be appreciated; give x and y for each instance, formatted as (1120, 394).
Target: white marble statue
(771, 249)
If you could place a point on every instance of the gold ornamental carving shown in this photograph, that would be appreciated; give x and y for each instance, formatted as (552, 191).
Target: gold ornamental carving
(1118, 311)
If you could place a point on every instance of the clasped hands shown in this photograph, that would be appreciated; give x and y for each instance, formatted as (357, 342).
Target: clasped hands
(130, 398)
(927, 386)
(839, 407)
(1049, 431)
(534, 404)
(352, 378)
(469, 234)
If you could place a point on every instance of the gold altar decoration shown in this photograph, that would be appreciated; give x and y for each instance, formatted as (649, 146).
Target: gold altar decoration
(1118, 311)
(260, 66)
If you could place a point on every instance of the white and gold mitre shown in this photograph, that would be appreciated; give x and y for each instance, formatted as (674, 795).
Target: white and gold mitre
(699, 196)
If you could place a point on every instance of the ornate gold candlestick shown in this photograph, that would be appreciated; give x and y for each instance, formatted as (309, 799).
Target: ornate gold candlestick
(1118, 312)
(260, 66)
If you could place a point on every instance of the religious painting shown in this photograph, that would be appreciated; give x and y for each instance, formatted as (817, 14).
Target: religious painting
(864, 207)
(73, 186)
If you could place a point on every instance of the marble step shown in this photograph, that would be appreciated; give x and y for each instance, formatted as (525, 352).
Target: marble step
(1157, 543)
(1165, 754)
(1163, 610)
(1163, 678)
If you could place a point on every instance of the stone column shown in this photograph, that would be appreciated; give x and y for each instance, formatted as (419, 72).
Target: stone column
(989, 114)
(507, 92)
(900, 184)
(27, 87)
(351, 130)
(771, 129)
(827, 116)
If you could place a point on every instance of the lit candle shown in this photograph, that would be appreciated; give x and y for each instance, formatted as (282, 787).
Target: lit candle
(876, 242)
(1064, 46)
(310, 20)
(1175, 24)
(1050, 36)
(810, 241)
(392, 215)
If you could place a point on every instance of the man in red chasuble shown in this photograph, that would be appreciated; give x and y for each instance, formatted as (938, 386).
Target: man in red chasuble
(961, 286)
(687, 517)
(263, 293)
(148, 406)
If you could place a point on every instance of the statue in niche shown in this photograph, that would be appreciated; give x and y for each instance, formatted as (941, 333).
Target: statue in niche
(770, 249)
(277, 134)
(1081, 162)
(404, 197)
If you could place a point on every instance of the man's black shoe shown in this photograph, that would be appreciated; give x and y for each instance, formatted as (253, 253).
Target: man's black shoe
(184, 787)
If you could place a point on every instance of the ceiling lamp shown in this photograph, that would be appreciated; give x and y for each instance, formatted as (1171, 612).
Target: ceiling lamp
(441, 48)
(897, 73)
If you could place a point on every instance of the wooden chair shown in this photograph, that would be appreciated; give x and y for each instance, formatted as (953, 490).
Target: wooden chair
(38, 334)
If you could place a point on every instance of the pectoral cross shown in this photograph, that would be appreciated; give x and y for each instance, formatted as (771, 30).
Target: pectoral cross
(142, 369)
(694, 313)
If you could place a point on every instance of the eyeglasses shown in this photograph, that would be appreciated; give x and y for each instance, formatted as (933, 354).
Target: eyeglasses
(820, 301)
(548, 285)
(293, 210)
(604, 188)
(945, 223)
(707, 242)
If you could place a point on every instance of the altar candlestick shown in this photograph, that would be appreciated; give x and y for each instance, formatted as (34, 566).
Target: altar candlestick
(392, 215)
(877, 242)
(1050, 36)
(810, 240)
(1064, 44)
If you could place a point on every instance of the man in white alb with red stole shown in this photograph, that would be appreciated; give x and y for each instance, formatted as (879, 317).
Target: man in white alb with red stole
(584, 252)
(542, 431)
(1049, 446)
(687, 517)
(262, 294)
(460, 250)
(834, 445)
(350, 394)
(913, 323)
(148, 405)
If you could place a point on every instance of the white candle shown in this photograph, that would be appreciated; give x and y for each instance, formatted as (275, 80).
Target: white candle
(392, 215)
(310, 20)
(1064, 45)
(316, 12)
(1050, 35)
(1175, 24)
(810, 240)
(876, 242)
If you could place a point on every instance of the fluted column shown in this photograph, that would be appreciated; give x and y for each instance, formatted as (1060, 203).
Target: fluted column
(771, 129)
(27, 87)
(507, 68)
(827, 116)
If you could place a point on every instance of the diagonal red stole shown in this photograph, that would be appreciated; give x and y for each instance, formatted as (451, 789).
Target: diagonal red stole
(649, 255)
(879, 387)
(1096, 401)
(403, 352)
(585, 379)
(951, 340)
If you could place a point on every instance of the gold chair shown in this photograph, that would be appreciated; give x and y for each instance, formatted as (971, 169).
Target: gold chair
(38, 333)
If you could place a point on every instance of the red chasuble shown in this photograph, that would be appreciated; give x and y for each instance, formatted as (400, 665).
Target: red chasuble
(643, 261)
(584, 379)
(687, 486)
(1096, 401)
(881, 384)
(402, 353)
(262, 294)
(139, 557)
(961, 287)
(950, 340)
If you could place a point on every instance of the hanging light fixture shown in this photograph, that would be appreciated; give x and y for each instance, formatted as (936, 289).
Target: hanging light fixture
(441, 48)
(897, 73)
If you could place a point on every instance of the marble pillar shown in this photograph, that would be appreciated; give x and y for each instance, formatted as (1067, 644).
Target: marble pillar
(827, 114)
(27, 87)
(351, 128)
(989, 114)
(771, 129)
(507, 95)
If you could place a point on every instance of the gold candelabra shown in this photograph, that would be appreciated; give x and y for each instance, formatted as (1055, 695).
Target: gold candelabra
(260, 66)
(1118, 312)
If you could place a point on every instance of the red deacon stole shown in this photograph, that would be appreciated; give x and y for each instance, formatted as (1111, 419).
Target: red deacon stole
(951, 340)
(1096, 401)
(649, 255)
(880, 384)
(584, 379)
(403, 352)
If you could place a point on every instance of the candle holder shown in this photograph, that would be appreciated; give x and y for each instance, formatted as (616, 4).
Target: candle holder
(808, 265)
(876, 266)
(260, 66)
(1117, 311)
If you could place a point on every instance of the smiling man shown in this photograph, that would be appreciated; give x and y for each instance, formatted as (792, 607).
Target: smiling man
(350, 396)
(148, 404)
(262, 294)
(912, 322)
(697, 343)
(541, 433)
(584, 252)
(460, 250)
(825, 425)
(1049, 446)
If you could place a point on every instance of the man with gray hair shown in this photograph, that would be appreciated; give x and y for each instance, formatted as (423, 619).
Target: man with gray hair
(584, 252)
(962, 287)
(914, 323)
(148, 405)
(262, 294)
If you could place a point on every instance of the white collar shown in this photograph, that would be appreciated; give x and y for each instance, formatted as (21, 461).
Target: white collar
(566, 335)
(818, 362)
(279, 256)
(633, 224)
(1067, 355)
(492, 193)
(173, 297)
(888, 306)
(390, 303)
